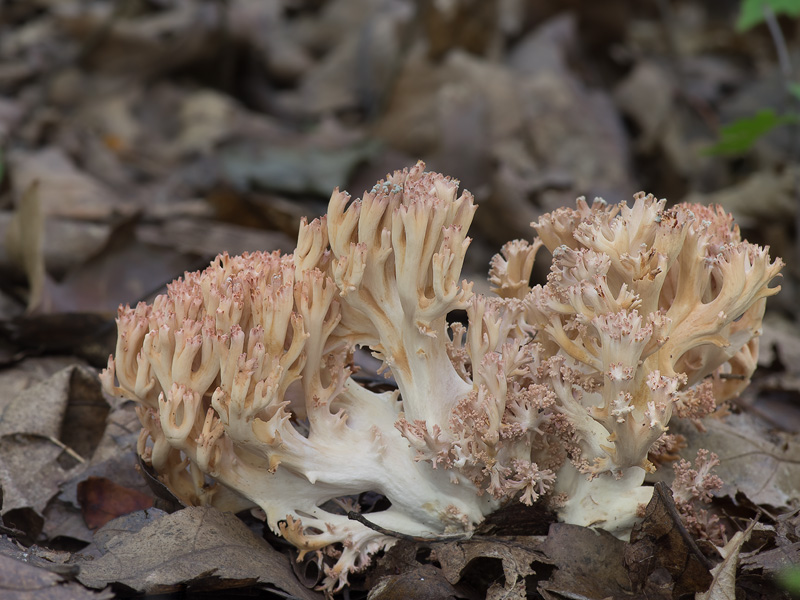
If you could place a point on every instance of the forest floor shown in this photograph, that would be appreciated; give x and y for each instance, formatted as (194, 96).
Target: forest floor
(141, 138)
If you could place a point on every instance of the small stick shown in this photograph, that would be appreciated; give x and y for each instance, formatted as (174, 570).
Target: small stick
(66, 449)
(355, 516)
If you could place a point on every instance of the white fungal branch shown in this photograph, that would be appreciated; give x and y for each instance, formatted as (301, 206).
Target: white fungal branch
(242, 372)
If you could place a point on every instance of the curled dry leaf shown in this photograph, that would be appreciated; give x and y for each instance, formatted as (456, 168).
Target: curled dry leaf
(723, 587)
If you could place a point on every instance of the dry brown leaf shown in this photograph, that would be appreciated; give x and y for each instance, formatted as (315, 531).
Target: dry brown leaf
(775, 192)
(124, 274)
(761, 464)
(423, 582)
(21, 581)
(206, 119)
(35, 453)
(199, 546)
(300, 169)
(102, 500)
(212, 238)
(780, 340)
(39, 409)
(29, 473)
(141, 44)
(516, 553)
(49, 432)
(774, 561)
(658, 558)
(723, 587)
(589, 564)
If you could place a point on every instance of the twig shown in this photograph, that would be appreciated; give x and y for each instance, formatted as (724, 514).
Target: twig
(355, 516)
(11, 531)
(66, 449)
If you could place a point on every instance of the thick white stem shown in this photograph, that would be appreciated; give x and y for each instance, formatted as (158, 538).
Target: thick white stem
(605, 501)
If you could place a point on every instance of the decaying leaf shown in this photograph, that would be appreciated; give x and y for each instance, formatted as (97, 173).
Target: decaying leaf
(661, 559)
(516, 554)
(63, 189)
(779, 553)
(589, 564)
(21, 581)
(30, 444)
(201, 546)
(209, 238)
(424, 582)
(298, 170)
(103, 500)
(763, 465)
(723, 587)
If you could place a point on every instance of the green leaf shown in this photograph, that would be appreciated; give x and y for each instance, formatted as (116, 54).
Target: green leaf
(794, 90)
(789, 579)
(739, 136)
(752, 11)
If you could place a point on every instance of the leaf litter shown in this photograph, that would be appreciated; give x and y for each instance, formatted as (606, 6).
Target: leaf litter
(139, 139)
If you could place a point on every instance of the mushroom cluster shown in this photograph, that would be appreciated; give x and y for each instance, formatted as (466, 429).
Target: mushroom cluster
(243, 373)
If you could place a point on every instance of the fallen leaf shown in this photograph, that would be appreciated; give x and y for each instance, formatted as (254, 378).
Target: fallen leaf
(775, 190)
(64, 523)
(516, 555)
(63, 189)
(102, 500)
(424, 582)
(295, 170)
(647, 96)
(29, 472)
(659, 557)
(30, 426)
(54, 561)
(723, 587)
(66, 244)
(762, 464)
(48, 433)
(87, 335)
(209, 238)
(199, 546)
(21, 581)
(39, 409)
(588, 563)
(206, 119)
(779, 340)
(772, 562)
(125, 274)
